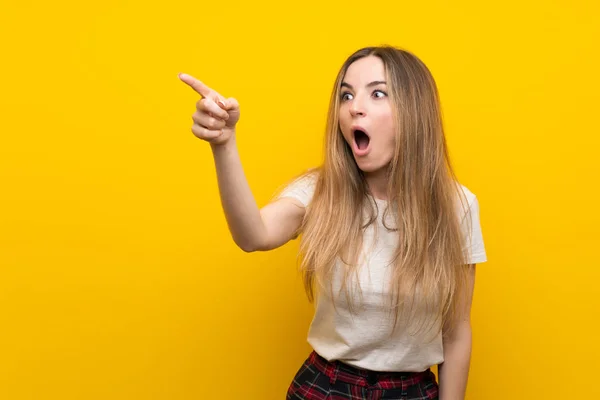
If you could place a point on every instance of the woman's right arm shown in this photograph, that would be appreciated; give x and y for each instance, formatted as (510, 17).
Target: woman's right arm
(252, 229)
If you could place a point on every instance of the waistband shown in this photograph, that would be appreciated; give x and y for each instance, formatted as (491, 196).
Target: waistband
(339, 371)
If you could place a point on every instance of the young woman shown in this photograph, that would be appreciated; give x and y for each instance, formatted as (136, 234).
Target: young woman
(389, 238)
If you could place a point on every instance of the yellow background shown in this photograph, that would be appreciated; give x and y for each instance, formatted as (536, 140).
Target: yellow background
(118, 277)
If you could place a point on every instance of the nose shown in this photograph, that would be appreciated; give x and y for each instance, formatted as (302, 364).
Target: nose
(356, 108)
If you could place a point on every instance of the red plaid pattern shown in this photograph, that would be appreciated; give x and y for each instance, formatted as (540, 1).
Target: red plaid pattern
(319, 379)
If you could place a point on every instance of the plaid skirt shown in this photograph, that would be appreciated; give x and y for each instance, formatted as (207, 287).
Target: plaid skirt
(319, 379)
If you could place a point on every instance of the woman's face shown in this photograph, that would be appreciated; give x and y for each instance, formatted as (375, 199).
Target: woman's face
(366, 116)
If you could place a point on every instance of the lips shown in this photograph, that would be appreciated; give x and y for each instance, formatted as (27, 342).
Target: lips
(361, 140)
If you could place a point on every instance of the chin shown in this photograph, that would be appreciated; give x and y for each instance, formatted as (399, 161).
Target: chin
(368, 165)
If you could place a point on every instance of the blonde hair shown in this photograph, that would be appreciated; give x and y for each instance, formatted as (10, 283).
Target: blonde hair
(428, 266)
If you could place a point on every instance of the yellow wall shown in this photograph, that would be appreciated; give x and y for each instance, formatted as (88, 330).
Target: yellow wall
(118, 278)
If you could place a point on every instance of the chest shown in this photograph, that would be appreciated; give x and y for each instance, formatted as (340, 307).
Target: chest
(369, 282)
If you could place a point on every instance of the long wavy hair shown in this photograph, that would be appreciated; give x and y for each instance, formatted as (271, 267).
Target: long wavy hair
(429, 276)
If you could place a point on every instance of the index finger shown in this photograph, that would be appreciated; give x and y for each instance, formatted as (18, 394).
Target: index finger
(198, 86)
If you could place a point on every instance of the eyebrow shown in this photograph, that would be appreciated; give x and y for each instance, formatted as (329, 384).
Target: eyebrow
(374, 83)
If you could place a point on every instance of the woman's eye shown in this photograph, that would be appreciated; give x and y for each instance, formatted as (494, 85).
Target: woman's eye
(379, 94)
(346, 96)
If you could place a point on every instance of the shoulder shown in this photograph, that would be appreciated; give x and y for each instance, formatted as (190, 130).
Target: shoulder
(471, 227)
(301, 187)
(468, 203)
(468, 195)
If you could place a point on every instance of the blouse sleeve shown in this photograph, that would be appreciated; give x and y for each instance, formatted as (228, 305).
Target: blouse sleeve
(301, 189)
(471, 227)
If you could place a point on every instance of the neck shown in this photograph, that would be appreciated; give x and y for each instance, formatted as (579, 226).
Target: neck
(377, 182)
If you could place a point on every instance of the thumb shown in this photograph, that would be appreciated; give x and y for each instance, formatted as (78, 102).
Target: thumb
(229, 104)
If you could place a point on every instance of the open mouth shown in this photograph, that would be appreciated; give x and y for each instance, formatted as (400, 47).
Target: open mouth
(362, 139)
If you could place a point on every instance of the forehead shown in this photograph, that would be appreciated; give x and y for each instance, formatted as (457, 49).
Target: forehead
(365, 70)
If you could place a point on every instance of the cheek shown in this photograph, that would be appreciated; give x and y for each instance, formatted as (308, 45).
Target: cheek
(387, 127)
(345, 124)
